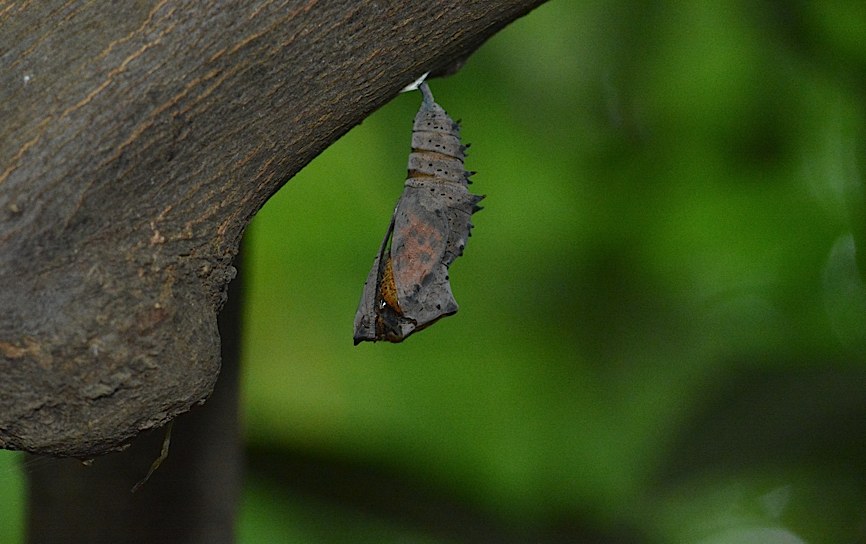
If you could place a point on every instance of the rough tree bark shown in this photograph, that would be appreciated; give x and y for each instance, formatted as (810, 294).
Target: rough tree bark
(194, 495)
(137, 139)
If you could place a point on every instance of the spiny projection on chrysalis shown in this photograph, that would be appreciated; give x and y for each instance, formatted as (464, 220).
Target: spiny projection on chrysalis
(408, 287)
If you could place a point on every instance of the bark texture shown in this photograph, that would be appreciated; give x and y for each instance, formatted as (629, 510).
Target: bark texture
(192, 497)
(137, 139)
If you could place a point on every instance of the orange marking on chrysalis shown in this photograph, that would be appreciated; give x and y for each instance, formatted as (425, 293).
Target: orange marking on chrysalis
(387, 289)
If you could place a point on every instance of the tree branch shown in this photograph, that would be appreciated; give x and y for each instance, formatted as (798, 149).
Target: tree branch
(138, 139)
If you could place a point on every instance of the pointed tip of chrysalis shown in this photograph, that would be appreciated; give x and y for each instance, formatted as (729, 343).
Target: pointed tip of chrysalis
(359, 337)
(426, 95)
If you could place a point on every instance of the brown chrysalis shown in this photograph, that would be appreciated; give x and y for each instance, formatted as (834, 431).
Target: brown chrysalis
(407, 288)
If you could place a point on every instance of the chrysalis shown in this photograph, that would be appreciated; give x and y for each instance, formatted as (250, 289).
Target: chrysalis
(407, 288)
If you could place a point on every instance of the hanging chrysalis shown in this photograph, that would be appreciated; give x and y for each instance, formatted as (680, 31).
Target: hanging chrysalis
(407, 288)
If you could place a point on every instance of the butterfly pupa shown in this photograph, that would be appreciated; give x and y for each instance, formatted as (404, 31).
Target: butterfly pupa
(408, 286)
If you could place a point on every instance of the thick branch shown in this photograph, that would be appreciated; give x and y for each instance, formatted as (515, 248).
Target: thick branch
(138, 139)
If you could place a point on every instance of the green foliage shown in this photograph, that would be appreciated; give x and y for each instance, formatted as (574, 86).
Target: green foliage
(11, 491)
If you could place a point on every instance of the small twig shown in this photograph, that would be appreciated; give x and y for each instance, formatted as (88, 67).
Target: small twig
(163, 455)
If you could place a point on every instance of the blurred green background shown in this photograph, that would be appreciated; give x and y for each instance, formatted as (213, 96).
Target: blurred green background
(663, 316)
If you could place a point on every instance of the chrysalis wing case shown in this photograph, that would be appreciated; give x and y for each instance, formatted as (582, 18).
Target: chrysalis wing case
(407, 288)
